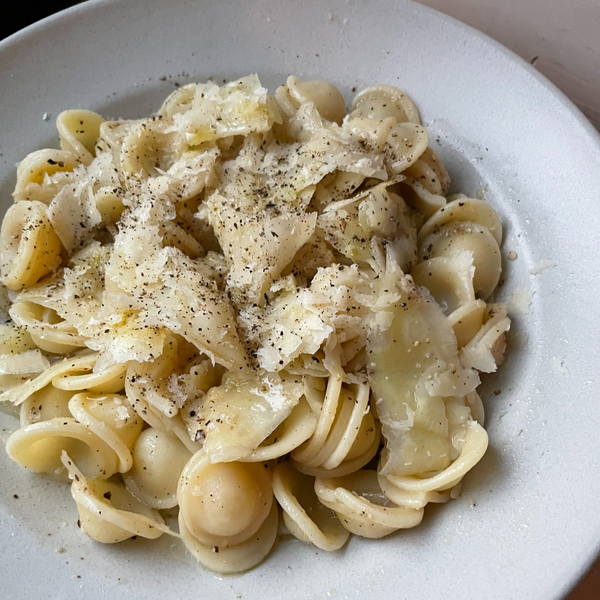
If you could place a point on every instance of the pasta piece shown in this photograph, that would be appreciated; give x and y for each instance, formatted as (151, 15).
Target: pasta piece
(108, 513)
(38, 447)
(351, 442)
(43, 173)
(151, 148)
(410, 499)
(111, 418)
(474, 445)
(158, 460)
(303, 514)
(14, 339)
(109, 381)
(447, 233)
(381, 101)
(81, 362)
(238, 558)
(78, 131)
(485, 351)
(47, 329)
(45, 404)
(362, 507)
(99, 431)
(405, 143)
(29, 247)
(227, 509)
(293, 432)
(418, 197)
(464, 210)
(325, 97)
(430, 172)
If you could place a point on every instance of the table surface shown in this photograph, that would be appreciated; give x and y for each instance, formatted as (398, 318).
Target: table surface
(560, 37)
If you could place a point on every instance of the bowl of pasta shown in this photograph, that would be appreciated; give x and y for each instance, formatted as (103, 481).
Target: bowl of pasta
(293, 306)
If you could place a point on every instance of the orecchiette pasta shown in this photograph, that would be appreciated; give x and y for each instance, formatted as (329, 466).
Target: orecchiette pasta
(248, 303)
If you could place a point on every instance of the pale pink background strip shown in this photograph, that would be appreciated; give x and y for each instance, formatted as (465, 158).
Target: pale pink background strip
(564, 35)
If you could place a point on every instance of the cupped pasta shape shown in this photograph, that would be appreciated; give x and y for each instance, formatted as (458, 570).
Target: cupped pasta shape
(418, 197)
(108, 513)
(112, 419)
(109, 203)
(29, 247)
(99, 431)
(14, 339)
(82, 362)
(471, 225)
(449, 279)
(325, 97)
(78, 131)
(47, 403)
(227, 509)
(405, 143)
(43, 173)
(305, 517)
(383, 101)
(292, 433)
(158, 460)
(474, 445)
(485, 350)
(151, 148)
(178, 101)
(430, 172)
(47, 329)
(224, 503)
(110, 380)
(38, 447)
(470, 210)
(362, 507)
(351, 441)
(238, 558)
(462, 236)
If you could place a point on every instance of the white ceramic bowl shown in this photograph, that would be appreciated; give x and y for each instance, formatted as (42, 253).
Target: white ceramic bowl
(527, 523)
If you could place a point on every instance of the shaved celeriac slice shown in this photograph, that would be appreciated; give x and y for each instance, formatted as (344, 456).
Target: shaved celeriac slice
(244, 410)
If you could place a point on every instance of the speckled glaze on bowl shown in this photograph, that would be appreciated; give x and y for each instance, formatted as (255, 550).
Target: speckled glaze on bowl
(527, 523)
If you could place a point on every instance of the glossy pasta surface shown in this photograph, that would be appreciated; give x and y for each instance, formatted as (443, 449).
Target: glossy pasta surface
(262, 311)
